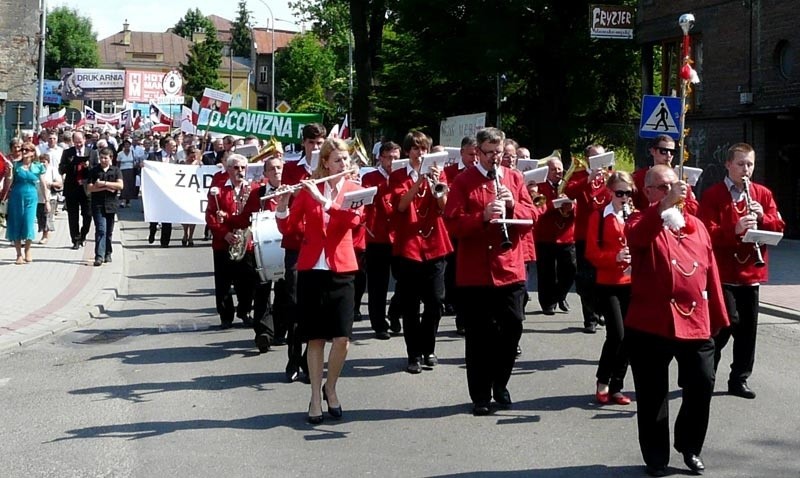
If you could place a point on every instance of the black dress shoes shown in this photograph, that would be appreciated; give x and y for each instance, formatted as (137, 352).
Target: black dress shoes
(431, 360)
(590, 328)
(563, 305)
(740, 389)
(75, 246)
(655, 470)
(502, 398)
(549, 311)
(293, 375)
(382, 335)
(394, 325)
(694, 463)
(262, 343)
(480, 409)
(151, 238)
(313, 419)
(414, 366)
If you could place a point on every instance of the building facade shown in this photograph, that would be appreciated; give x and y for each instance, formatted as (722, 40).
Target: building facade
(19, 60)
(746, 54)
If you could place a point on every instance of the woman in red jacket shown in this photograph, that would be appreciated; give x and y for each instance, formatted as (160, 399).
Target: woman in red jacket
(607, 250)
(326, 267)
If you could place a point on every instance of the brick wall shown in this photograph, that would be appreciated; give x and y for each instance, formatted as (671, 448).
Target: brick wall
(19, 49)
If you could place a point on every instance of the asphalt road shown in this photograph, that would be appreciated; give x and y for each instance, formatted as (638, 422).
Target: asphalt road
(154, 388)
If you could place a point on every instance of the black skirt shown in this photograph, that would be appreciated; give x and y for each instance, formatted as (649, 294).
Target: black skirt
(325, 302)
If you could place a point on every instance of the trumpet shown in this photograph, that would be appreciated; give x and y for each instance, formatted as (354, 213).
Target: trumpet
(539, 200)
(297, 187)
(759, 261)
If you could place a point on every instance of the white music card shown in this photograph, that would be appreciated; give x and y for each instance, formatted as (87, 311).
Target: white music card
(524, 165)
(692, 174)
(769, 238)
(601, 161)
(356, 199)
(538, 175)
(562, 201)
(431, 159)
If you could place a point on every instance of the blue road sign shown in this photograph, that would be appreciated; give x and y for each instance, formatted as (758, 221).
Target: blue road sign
(660, 115)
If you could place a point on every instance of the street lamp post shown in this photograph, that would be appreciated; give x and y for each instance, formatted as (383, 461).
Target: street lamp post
(272, 55)
(43, 35)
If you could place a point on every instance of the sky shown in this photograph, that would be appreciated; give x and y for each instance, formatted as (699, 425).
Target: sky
(107, 16)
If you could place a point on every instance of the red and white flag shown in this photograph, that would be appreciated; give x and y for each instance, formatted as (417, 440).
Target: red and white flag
(158, 116)
(54, 119)
(344, 130)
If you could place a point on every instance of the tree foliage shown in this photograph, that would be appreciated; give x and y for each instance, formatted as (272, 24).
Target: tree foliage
(241, 37)
(201, 69)
(70, 42)
(193, 22)
(307, 77)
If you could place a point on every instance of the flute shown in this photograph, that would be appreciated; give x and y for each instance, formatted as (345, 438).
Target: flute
(506, 243)
(293, 189)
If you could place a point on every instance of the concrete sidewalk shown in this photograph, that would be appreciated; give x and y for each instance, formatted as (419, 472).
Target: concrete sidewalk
(61, 289)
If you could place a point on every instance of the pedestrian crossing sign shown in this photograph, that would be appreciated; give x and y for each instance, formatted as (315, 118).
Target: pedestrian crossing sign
(660, 115)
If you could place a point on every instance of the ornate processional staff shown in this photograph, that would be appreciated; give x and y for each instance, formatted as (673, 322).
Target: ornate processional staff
(688, 75)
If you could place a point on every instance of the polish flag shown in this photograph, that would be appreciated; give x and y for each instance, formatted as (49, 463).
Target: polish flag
(344, 130)
(54, 119)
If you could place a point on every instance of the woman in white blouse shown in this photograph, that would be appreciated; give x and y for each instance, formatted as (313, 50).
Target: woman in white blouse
(126, 163)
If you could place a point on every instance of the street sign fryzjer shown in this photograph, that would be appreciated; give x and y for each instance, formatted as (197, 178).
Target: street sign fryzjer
(611, 21)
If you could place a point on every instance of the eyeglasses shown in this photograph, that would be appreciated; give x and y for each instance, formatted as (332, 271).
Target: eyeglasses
(666, 151)
(664, 188)
(240, 168)
(28, 150)
(491, 154)
(622, 194)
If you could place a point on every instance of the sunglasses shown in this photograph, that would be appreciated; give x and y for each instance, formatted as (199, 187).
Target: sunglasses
(666, 151)
(622, 194)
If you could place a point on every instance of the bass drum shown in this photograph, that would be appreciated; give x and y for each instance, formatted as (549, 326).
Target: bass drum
(267, 246)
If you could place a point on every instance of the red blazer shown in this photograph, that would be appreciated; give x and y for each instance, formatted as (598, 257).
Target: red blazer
(378, 215)
(480, 261)
(420, 233)
(675, 288)
(640, 201)
(589, 197)
(553, 227)
(306, 220)
(451, 170)
(293, 173)
(736, 259)
(603, 256)
(227, 202)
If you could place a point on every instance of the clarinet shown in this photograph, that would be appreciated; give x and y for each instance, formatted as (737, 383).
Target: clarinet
(506, 243)
(759, 261)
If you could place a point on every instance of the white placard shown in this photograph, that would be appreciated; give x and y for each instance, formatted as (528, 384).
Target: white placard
(399, 164)
(562, 201)
(453, 155)
(453, 129)
(176, 193)
(431, 159)
(601, 161)
(768, 238)
(692, 174)
(538, 175)
(356, 199)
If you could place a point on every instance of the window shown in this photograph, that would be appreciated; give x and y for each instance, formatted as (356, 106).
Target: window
(784, 59)
(263, 74)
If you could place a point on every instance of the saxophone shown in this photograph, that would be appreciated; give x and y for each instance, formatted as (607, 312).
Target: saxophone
(238, 249)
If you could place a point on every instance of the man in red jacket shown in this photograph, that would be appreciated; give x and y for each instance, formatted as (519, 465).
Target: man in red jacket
(676, 309)
(489, 273)
(728, 216)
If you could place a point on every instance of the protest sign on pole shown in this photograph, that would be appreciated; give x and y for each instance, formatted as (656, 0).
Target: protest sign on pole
(453, 129)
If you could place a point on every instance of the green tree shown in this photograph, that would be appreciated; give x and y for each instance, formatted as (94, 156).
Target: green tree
(306, 74)
(70, 42)
(192, 22)
(241, 37)
(201, 69)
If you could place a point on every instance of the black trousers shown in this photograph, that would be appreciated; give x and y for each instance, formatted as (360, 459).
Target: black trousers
(742, 305)
(650, 357)
(613, 364)
(240, 274)
(585, 285)
(280, 320)
(77, 202)
(294, 335)
(493, 319)
(420, 282)
(555, 272)
(360, 281)
(379, 266)
(263, 321)
(166, 232)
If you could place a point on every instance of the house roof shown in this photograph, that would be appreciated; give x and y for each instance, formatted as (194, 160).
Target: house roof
(224, 27)
(263, 39)
(171, 51)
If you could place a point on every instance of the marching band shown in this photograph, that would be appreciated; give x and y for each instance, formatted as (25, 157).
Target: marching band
(630, 229)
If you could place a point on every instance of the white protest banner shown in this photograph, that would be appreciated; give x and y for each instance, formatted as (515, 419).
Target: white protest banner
(453, 129)
(176, 193)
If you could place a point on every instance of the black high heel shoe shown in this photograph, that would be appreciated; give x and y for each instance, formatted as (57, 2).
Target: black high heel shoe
(335, 412)
(314, 419)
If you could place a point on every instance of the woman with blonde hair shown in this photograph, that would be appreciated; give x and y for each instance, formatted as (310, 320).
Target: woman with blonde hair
(326, 268)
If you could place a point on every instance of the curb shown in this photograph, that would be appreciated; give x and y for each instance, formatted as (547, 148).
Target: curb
(778, 311)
